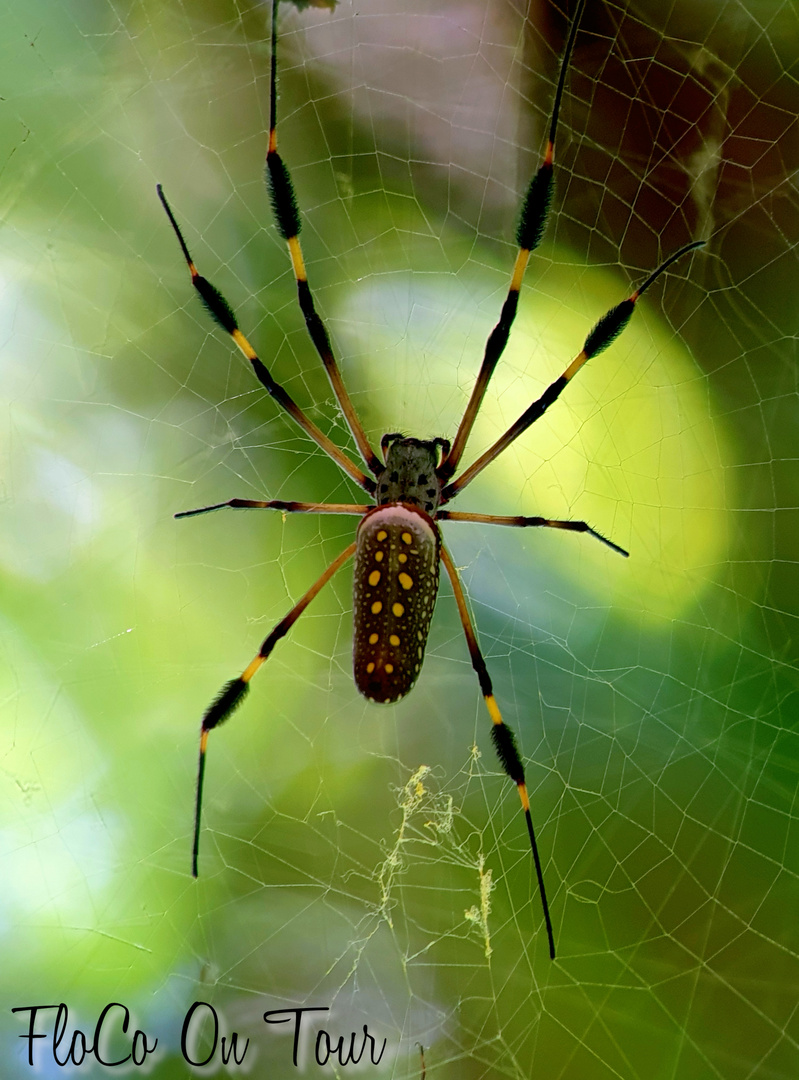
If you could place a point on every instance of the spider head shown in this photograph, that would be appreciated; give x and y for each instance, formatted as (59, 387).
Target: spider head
(410, 475)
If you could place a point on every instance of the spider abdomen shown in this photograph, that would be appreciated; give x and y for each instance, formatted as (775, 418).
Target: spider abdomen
(395, 584)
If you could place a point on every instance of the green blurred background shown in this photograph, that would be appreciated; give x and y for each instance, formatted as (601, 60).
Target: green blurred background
(368, 859)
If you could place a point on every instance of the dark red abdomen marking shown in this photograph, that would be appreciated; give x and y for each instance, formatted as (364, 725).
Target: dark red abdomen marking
(395, 584)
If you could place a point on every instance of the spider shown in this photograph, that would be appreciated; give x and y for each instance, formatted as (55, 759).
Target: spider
(398, 546)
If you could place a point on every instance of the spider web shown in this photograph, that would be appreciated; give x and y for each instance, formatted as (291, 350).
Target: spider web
(374, 861)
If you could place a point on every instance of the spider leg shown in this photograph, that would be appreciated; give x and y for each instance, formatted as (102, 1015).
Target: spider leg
(603, 334)
(532, 222)
(279, 504)
(222, 314)
(287, 215)
(501, 735)
(233, 693)
(523, 523)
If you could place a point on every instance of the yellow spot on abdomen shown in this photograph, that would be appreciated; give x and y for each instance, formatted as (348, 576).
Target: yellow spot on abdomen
(393, 639)
(398, 610)
(389, 668)
(407, 538)
(381, 535)
(402, 557)
(370, 668)
(377, 607)
(373, 638)
(378, 556)
(374, 577)
(406, 581)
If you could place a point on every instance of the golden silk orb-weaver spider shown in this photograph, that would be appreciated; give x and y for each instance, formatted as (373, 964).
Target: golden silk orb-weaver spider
(398, 545)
